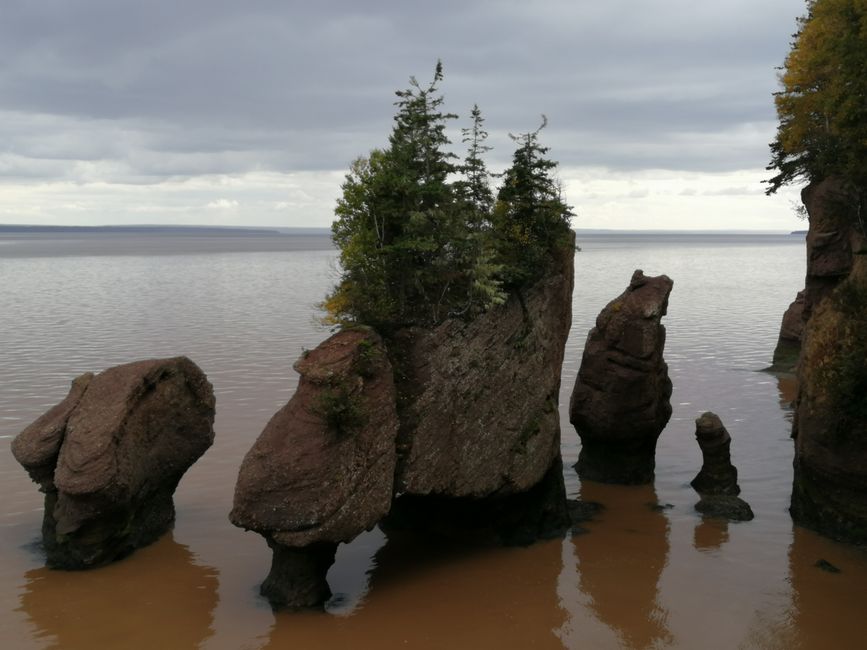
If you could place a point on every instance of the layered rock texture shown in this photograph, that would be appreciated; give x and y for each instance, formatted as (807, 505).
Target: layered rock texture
(453, 428)
(323, 468)
(111, 454)
(620, 403)
(478, 400)
(829, 261)
(830, 428)
(717, 482)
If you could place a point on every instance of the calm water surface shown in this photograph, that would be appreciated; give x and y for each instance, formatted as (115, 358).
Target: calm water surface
(244, 309)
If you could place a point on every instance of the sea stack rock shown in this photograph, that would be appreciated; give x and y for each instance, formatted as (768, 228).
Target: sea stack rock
(111, 454)
(717, 475)
(479, 440)
(322, 470)
(620, 403)
(829, 493)
(717, 482)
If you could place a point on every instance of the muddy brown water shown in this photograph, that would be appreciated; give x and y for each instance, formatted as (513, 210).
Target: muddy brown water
(648, 573)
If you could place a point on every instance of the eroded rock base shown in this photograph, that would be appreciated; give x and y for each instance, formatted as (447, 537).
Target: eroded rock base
(625, 462)
(827, 507)
(110, 537)
(514, 520)
(297, 579)
(725, 506)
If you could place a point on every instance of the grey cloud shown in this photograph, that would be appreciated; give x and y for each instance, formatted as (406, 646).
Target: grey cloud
(166, 89)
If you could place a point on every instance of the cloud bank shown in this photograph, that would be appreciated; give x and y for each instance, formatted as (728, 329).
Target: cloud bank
(147, 111)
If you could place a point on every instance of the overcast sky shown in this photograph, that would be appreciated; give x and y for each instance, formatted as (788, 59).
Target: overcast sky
(248, 113)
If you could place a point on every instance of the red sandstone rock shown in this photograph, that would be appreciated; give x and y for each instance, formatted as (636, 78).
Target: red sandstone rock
(829, 491)
(829, 260)
(717, 475)
(306, 480)
(322, 470)
(110, 456)
(479, 401)
(620, 402)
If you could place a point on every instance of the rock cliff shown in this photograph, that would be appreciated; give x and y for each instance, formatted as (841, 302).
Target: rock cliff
(111, 454)
(620, 403)
(830, 429)
(829, 261)
(478, 400)
(479, 440)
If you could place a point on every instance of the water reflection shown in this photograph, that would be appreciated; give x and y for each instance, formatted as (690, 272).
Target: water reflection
(432, 592)
(620, 562)
(828, 609)
(787, 386)
(159, 593)
(710, 534)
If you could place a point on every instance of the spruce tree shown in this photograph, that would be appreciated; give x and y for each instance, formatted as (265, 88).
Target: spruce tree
(397, 225)
(531, 220)
(418, 246)
(821, 107)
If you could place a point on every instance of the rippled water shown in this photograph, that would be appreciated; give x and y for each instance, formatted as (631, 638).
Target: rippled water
(244, 309)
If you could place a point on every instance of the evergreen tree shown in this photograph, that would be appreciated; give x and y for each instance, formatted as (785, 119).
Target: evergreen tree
(417, 247)
(822, 107)
(530, 218)
(475, 187)
(475, 201)
(397, 227)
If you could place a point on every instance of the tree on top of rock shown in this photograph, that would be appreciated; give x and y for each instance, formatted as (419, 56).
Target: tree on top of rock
(418, 246)
(530, 217)
(394, 222)
(822, 107)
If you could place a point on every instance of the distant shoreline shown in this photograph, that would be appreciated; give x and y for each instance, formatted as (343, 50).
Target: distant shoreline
(209, 231)
(277, 231)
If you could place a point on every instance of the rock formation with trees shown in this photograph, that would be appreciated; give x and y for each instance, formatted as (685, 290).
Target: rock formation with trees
(822, 140)
(463, 298)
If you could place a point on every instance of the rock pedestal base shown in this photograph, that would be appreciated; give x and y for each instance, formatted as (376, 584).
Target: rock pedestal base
(626, 462)
(297, 579)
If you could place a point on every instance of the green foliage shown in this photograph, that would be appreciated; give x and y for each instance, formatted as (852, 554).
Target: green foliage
(840, 350)
(821, 108)
(417, 233)
(474, 188)
(530, 218)
(367, 359)
(341, 410)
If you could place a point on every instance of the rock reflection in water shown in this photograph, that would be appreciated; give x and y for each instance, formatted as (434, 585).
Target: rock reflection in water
(787, 386)
(710, 534)
(160, 593)
(620, 561)
(445, 594)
